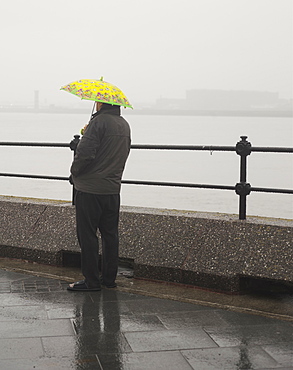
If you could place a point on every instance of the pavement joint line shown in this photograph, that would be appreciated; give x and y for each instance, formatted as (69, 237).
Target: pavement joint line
(40, 274)
(144, 292)
(212, 304)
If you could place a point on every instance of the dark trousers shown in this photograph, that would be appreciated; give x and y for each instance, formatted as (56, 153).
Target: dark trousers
(98, 212)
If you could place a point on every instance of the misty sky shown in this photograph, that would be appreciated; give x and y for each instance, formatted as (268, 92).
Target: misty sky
(148, 48)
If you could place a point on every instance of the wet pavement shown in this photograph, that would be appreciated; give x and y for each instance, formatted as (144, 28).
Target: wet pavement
(137, 326)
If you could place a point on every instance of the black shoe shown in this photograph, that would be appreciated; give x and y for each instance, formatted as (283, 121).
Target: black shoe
(113, 285)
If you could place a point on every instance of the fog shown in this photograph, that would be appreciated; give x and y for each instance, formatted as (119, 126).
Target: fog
(150, 49)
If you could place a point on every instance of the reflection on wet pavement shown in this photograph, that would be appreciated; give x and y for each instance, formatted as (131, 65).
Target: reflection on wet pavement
(43, 326)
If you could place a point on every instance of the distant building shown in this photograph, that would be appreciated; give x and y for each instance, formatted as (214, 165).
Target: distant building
(230, 100)
(222, 100)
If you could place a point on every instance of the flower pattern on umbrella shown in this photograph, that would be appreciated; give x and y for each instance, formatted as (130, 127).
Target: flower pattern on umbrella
(98, 90)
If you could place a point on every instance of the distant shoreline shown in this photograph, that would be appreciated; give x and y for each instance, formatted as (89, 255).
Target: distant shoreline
(211, 113)
(160, 112)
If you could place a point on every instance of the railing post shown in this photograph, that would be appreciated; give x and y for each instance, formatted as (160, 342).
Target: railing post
(73, 145)
(243, 148)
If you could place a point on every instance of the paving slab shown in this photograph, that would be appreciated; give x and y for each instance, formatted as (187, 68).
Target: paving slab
(229, 358)
(43, 326)
(57, 363)
(20, 348)
(32, 328)
(154, 341)
(171, 360)
(252, 334)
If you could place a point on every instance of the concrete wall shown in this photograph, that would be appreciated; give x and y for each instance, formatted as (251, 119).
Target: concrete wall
(203, 249)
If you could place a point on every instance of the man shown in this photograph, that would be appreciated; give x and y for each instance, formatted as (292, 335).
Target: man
(96, 173)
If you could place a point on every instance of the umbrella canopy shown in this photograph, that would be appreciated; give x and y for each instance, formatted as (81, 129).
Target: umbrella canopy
(98, 90)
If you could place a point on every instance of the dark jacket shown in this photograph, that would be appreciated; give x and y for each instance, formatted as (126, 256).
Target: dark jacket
(102, 152)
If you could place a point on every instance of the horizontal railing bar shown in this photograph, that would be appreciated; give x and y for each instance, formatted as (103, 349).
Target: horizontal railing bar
(184, 147)
(44, 177)
(212, 148)
(133, 146)
(157, 183)
(271, 149)
(62, 145)
(178, 184)
(272, 190)
(205, 186)
(162, 147)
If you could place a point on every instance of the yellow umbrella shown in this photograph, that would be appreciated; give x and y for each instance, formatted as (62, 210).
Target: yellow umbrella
(98, 90)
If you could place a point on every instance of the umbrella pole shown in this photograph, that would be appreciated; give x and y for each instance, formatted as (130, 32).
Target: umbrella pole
(92, 110)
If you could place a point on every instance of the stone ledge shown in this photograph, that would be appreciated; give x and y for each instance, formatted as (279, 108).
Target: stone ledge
(209, 250)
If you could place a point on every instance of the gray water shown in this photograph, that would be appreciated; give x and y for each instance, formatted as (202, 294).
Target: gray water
(271, 170)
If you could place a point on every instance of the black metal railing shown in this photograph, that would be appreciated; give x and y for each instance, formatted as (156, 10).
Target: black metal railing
(243, 148)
